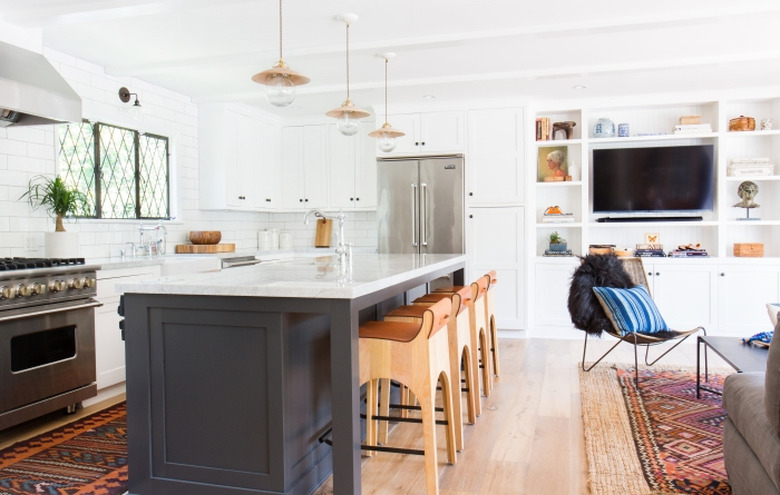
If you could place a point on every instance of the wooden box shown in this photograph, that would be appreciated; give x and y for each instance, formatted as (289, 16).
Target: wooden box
(749, 249)
(690, 120)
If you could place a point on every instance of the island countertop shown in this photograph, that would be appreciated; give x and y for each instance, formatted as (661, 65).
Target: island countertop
(304, 277)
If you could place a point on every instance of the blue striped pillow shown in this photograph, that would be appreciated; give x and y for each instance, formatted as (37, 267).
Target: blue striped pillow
(631, 310)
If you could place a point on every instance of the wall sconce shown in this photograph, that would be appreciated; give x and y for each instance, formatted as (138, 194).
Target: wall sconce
(125, 94)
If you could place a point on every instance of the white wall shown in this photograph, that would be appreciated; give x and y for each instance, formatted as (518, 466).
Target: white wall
(29, 151)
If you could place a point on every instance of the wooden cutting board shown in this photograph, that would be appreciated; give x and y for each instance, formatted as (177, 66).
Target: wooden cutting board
(322, 236)
(205, 248)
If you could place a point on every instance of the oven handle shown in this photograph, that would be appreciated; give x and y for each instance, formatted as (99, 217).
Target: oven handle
(58, 309)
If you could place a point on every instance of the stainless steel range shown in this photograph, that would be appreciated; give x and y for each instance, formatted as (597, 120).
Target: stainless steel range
(47, 336)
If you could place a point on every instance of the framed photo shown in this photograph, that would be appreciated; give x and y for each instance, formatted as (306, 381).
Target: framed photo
(652, 238)
(552, 164)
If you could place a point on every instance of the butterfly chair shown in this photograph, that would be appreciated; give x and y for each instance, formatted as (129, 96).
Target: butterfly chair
(610, 294)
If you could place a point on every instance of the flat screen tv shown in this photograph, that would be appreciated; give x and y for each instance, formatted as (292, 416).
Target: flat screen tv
(664, 179)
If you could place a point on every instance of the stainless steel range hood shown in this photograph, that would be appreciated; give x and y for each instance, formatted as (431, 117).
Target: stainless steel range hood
(32, 92)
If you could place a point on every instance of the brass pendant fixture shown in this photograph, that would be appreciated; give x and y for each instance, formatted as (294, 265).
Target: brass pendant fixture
(347, 114)
(280, 79)
(386, 135)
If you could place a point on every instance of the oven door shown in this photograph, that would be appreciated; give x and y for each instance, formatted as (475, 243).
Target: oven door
(46, 351)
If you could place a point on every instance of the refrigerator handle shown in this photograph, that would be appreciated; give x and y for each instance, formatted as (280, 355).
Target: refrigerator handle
(424, 215)
(415, 212)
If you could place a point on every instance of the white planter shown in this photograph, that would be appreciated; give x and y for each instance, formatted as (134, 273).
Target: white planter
(61, 244)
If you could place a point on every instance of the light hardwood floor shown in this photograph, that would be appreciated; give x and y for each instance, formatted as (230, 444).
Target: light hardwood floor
(528, 440)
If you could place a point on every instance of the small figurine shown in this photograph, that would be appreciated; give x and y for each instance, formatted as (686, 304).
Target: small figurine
(747, 190)
(567, 127)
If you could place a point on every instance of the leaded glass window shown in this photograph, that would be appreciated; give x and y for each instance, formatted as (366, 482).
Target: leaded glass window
(125, 174)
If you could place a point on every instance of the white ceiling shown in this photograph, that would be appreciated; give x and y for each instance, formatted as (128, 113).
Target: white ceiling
(450, 49)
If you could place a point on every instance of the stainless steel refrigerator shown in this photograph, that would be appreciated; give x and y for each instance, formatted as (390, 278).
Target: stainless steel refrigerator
(420, 204)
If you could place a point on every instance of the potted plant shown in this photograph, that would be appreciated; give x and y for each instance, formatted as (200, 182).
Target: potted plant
(59, 201)
(557, 243)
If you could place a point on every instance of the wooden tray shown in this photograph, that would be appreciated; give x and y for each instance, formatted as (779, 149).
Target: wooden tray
(205, 248)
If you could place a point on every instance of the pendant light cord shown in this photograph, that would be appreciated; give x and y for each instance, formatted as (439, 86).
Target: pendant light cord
(280, 31)
(347, 60)
(386, 63)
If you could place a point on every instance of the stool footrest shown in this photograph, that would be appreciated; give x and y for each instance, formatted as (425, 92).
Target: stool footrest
(326, 439)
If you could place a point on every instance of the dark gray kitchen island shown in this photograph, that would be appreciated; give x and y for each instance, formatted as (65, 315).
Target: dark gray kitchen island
(233, 376)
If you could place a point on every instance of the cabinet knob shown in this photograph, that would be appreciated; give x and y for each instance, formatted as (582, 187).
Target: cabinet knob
(649, 274)
(306, 200)
(357, 199)
(417, 143)
(471, 216)
(300, 200)
(423, 143)
(657, 274)
(722, 274)
(267, 200)
(352, 199)
(471, 193)
(242, 197)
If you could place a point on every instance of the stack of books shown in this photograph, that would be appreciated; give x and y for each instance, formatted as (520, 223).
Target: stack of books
(550, 252)
(650, 250)
(543, 129)
(557, 217)
(741, 167)
(688, 252)
(692, 129)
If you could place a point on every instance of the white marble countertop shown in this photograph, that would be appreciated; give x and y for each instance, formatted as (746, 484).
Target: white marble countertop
(305, 277)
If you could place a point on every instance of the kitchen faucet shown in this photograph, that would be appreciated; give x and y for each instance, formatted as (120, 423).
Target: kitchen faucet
(157, 245)
(343, 250)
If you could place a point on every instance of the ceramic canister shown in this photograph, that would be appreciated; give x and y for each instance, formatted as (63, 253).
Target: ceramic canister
(264, 240)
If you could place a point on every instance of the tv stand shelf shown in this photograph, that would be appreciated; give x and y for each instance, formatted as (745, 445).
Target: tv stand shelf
(650, 219)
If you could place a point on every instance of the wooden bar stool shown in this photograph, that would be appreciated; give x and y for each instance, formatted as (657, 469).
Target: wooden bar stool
(490, 305)
(416, 354)
(477, 318)
(463, 347)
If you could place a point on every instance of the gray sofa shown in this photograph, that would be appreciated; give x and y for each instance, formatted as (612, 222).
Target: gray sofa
(751, 432)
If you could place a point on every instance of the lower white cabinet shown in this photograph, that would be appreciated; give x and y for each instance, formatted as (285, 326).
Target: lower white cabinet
(686, 294)
(552, 278)
(743, 293)
(493, 235)
(109, 346)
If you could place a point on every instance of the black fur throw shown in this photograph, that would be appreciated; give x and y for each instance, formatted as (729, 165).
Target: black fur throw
(596, 270)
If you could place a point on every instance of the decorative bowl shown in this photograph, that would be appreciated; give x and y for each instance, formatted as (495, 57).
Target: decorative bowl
(205, 236)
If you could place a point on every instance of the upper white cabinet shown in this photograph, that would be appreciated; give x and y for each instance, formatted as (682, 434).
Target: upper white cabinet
(428, 133)
(496, 157)
(305, 166)
(352, 161)
(236, 150)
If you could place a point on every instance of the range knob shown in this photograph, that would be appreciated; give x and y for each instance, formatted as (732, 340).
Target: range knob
(24, 290)
(57, 285)
(37, 288)
(7, 292)
(90, 282)
(76, 283)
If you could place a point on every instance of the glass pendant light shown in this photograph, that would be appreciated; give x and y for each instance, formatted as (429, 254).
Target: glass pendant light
(280, 79)
(347, 114)
(386, 135)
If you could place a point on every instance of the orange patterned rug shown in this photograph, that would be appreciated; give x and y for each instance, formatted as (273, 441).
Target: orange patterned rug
(88, 456)
(666, 440)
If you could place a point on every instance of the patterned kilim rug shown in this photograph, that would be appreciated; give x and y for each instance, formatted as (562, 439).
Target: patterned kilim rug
(88, 456)
(657, 438)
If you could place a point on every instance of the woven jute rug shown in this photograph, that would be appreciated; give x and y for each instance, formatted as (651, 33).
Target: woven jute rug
(87, 456)
(654, 439)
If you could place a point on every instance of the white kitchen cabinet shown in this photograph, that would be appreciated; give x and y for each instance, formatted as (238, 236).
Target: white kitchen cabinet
(352, 164)
(268, 178)
(305, 166)
(236, 147)
(496, 157)
(743, 293)
(492, 237)
(109, 346)
(686, 294)
(428, 133)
